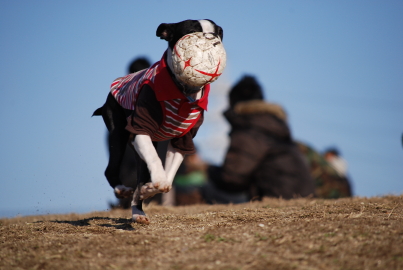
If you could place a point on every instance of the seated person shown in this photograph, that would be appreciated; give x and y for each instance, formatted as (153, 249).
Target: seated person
(328, 171)
(336, 161)
(262, 159)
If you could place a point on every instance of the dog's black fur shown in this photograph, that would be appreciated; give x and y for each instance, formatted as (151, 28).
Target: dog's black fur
(115, 116)
(172, 32)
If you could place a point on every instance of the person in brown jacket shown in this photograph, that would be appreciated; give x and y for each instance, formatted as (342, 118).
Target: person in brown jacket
(262, 158)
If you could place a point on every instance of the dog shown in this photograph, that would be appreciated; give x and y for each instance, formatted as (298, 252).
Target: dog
(135, 113)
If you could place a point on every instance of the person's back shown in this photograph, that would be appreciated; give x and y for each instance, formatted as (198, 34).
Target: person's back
(262, 158)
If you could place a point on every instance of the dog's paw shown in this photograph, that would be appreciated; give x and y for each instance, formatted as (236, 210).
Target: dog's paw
(122, 191)
(139, 216)
(164, 187)
(141, 219)
(150, 189)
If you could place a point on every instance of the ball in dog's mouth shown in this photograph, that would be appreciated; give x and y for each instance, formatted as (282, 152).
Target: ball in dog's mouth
(198, 59)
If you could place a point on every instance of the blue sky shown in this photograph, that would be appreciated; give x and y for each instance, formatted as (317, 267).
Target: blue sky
(335, 66)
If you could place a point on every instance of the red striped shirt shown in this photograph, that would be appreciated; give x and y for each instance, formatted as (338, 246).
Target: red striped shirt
(180, 115)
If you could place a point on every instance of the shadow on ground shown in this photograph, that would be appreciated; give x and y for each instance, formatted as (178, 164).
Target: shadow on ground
(117, 223)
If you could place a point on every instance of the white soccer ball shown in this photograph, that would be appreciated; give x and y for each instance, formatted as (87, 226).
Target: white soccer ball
(198, 59)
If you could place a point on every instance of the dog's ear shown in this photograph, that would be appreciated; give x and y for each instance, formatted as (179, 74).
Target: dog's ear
(165, 31)
(217, 29)
(219, 32)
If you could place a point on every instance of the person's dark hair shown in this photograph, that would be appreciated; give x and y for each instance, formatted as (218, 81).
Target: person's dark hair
(245, 89)
(332, 150)
(138, 64)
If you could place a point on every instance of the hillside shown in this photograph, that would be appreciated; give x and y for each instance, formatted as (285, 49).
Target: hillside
(358, 233)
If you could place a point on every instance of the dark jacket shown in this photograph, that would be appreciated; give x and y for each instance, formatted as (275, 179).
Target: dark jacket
(262, 158)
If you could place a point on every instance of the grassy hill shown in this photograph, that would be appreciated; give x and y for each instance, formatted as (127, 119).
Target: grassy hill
(357, 233)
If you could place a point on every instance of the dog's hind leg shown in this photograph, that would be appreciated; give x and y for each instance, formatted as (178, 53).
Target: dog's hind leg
(138, 214)
(115, 120)
(117, 145)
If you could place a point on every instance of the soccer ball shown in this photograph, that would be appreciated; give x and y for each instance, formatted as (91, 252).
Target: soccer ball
(198, 59)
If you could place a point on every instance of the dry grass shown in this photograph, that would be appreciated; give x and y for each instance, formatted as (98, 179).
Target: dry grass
(358, 233)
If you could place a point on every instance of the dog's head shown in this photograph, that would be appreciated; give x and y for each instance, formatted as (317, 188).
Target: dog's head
(172, 32)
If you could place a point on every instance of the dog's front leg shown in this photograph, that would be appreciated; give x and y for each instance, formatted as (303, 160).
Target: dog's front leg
(172, 162)
(146, 150)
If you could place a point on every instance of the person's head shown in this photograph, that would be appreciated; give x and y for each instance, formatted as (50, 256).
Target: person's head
(244, 90)
(331, 152)
(138, 64)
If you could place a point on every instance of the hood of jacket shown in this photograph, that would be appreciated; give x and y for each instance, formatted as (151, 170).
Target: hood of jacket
(258, 114)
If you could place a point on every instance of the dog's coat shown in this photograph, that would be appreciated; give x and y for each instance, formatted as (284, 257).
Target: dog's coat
(179, 114)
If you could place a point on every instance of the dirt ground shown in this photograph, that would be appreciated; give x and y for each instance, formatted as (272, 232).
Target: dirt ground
(358, 233)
